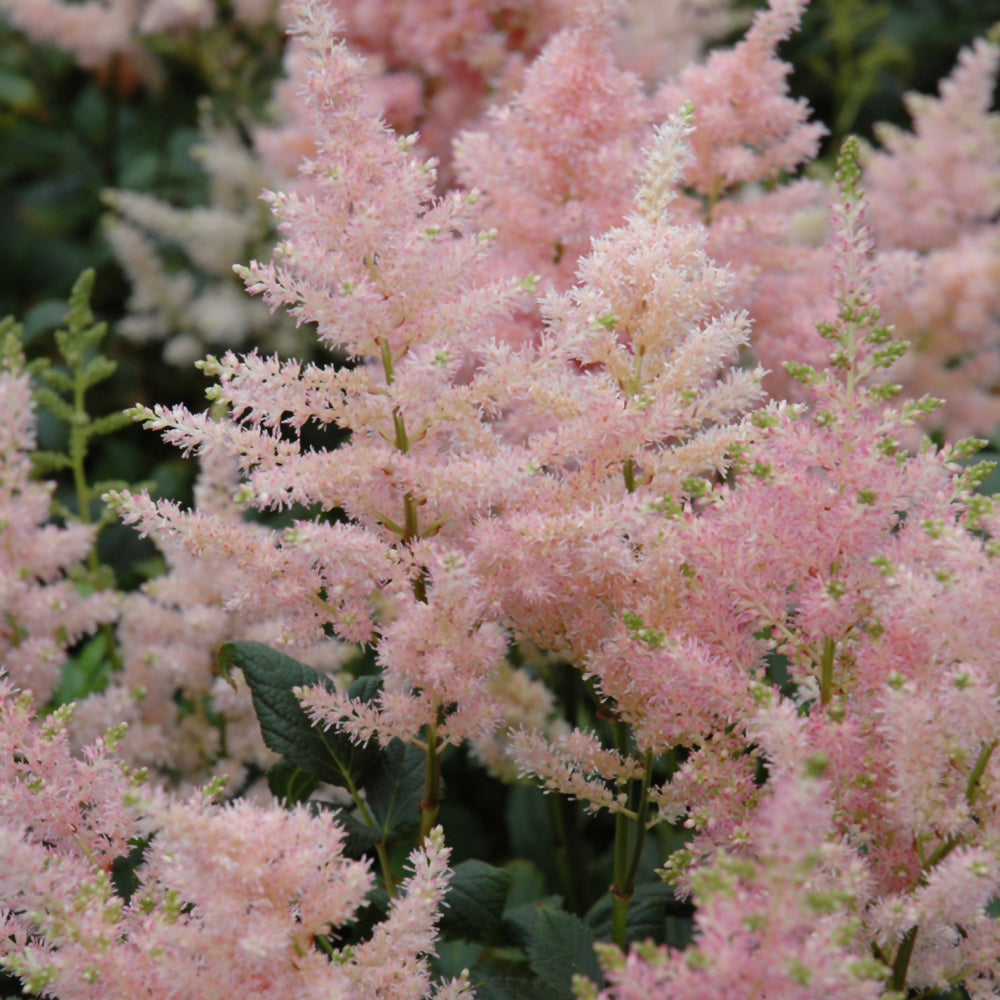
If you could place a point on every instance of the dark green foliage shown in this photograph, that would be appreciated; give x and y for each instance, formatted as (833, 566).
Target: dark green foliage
(272, 677)
(477, 897)
(562, 946)
(854, 59)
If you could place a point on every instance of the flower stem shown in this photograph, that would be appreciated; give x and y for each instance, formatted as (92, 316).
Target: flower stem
(901, 963)
(826, 671)
(383, 857)
(431, 802)
(628, 850)
(432, 785)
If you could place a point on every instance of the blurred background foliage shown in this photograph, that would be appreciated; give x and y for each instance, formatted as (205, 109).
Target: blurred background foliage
(855, 59)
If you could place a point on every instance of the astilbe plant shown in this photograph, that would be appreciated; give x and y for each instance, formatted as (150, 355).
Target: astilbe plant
(558, 164)
(111, 888)
(468, 460)
(185, 722)
(862, 596)
(774, 611)
(935, 191)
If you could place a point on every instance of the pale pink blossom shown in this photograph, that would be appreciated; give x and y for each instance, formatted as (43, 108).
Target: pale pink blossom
(234, 894)
(935, 190)
(764, 927)
(558, 164)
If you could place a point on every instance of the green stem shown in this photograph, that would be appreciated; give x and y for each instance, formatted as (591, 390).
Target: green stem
(971, 794)
(567, 869)
(79, 432)
(826, 671)
(901, 964)
(628, 852)
(79, 427)
(621, 892)
(972, 787)
(642, 816)
(630, 476)
(431, 803)
(370, 820)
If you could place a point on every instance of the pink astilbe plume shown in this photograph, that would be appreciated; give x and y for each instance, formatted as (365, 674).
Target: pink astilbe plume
(658, 38)
(782, 926)
(558, 164)
(398, 279)
(233, 895)
(749, 128)
(648, 327)
(645, 403)
(185, 722)
(43, 611)
(936, 191)
(752, 138)
(432, 66)
(448, 57)
(852, 565)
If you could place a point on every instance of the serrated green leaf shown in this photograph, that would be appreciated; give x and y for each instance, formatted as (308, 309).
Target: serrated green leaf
(476, 899)
(513, 988)
(562, 946)
(520, 919)
(272, 677)
(289, 784)
(360, 836)
(395, 787)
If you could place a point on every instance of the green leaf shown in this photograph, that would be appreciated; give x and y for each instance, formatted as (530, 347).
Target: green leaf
(360, 836)
(454, 956)
(86, 673)
(289, 784)
(653, 909)
(561, 946)
(475, 902)
(272, 677)
(527, 882)
(395, 787)
(529, 827)
(513, 988)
